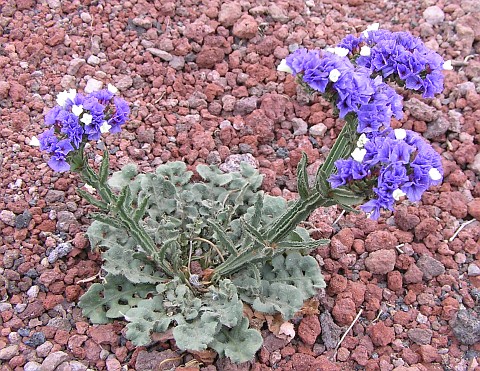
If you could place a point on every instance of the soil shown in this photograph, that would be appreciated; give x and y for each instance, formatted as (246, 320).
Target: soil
(202, 82)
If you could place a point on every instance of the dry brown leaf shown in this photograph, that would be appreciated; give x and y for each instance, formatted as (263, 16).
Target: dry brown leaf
(288, 330)
(310, 307)
(206, 356)
(274, 323)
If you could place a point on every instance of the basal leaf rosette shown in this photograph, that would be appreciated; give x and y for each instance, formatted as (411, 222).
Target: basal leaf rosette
(197, 228)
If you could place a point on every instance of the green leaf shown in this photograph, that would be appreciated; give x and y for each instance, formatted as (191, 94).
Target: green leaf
(248, 280)
(147, 317)
(223, 238)
(301, 271)
(214, 175)
(140, 210)
(279, 297)
(238, 343)
(302, 178)
(256, 219)
(99, 233)
(125, 199)
(122, 178)
(343, 146)
(112, 299)
(104, 166)
(124, 260)
(297, 245)
(92, 200)
(224, 304)
(346, 197)
(114, 223)
(175, 171)
(196, 335)
(253, 233)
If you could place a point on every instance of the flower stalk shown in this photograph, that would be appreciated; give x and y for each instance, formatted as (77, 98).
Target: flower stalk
(118, 207)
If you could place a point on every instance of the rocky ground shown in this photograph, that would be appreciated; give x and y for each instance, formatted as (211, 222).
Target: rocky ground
(202, 83)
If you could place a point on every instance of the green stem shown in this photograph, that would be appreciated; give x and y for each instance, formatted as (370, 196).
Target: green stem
(303, 207)
(120, 212)
(342, 148)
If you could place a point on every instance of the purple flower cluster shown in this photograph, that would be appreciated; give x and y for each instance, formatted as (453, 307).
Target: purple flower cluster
(373, 101)
(78, 118)
(398, 55)
(387, 164)
(396, 162)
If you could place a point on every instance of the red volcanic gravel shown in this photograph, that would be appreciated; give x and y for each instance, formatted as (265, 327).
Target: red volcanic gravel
(202, 83)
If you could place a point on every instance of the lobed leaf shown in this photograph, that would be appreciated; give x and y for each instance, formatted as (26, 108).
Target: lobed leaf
(111, 299)
(239, 343)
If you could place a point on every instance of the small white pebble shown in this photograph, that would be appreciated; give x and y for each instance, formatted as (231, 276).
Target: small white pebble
(87, 18)
(473, 270)
(33, 292)
(34, 142)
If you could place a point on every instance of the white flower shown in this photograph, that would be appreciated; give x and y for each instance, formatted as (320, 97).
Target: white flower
(372, 27)
(77, 110)
(397, 194)
(434, 174)
(112, 89)
(358, 154)
(447, 65)
(34, 142)
(342, 52)
(334, 75)
(63, 96)
(362, 140)
(283, 67)
(365, 51)
(86, 118)
(400, 133)
(105, 127)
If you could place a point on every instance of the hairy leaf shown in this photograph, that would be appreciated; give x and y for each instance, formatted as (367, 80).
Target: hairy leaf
(238, 343)
(124, 260)
(223, 304)
(302, 178)
(149, 316)
(278, 297)
(122, 178)
(196, 335)
(113, 298)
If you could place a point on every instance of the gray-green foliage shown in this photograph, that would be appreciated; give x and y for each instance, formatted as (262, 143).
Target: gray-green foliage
(221, 226)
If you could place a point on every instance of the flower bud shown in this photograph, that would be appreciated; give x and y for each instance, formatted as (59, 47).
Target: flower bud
(112, 89)
(34, 142)
(105, 127)
(362, 140)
